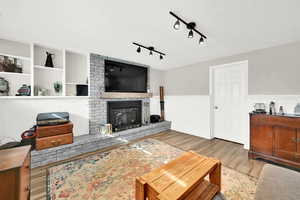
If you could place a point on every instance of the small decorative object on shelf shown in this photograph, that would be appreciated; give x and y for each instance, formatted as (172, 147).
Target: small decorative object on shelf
(260, 108)
(281, 111)
(106, 129)
(9, 64)
(272, 108)
(25, 90)
(82, 90)
(38, 91)
(297, 109)
(57, 87)
(49, 61)
(4, 87)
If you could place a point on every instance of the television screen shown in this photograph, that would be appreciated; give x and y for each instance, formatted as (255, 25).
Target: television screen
(122, 77)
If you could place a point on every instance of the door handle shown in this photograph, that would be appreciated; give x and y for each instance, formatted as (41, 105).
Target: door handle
(216, 107)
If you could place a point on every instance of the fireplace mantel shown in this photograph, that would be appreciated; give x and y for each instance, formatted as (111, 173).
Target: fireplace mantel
(125, 95)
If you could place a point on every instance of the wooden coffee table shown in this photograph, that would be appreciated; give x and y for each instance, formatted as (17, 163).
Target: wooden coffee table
(182, 178)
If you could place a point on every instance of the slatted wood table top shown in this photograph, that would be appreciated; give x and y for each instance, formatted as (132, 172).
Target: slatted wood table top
(182, 178)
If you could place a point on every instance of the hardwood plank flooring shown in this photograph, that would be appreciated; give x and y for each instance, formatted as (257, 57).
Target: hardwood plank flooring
(232, 155)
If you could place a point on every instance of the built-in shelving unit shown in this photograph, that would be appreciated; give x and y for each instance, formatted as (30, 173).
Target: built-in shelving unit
(76, 76)
(69, 73)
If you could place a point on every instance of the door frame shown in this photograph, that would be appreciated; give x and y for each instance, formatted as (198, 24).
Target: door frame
(211, 98)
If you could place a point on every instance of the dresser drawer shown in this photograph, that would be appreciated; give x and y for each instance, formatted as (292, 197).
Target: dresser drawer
(53, 141)
(47, 131)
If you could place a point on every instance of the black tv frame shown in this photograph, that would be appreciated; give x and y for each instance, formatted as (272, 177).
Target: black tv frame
(127, 65)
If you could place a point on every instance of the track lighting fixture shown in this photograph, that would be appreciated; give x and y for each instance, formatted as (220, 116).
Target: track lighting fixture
(177, 25)
(191, 34)
(191, 26)
(201, 41)
(151, 50)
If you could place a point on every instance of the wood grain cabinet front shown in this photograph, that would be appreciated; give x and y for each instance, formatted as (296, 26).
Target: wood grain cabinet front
(53, 141)
(285, 143)
(15, 173)
(275, 138)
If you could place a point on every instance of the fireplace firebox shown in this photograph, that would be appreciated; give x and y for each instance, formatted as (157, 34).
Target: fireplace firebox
(124, 114)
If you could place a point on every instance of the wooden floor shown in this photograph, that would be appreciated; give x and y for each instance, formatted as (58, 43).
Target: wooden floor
(232, 155)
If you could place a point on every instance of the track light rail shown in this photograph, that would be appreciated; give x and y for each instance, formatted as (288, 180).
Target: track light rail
(149, 48)
(187, 24)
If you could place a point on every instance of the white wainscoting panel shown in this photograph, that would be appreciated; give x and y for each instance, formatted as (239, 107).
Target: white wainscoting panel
(17, 116)
(189, 114)
(155, 105)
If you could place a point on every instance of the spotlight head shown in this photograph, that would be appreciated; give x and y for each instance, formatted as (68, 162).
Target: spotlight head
(151, 49)
(138, 50)
(191, 34)
(161, 57)
(177, 25)
(201, 41)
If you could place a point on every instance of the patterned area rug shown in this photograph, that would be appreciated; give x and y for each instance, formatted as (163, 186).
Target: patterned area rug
(111, 175)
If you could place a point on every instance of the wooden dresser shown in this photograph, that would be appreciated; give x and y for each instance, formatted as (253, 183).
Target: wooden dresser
(275, 138)
(15, 173)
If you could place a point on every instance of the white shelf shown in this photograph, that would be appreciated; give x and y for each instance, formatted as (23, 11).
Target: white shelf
(18, 57)
(48, 68)
(42, 97)
(15, 74)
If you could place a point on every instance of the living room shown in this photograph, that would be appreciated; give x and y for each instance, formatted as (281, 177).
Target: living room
(99, 99)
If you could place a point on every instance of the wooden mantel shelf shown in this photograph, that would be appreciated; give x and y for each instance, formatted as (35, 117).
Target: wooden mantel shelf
(125, 95)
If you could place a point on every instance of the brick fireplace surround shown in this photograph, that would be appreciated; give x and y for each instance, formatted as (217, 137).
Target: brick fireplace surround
(98, 116)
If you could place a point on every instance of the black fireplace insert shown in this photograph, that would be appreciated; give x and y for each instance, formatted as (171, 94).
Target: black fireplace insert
(124, 114)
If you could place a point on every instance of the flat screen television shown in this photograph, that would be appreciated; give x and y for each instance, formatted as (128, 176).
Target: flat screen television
(122, 77)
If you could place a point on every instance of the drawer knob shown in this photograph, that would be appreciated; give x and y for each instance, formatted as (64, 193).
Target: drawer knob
(27, 188)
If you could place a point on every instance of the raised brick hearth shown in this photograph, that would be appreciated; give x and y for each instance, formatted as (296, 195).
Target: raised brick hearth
(89, 143)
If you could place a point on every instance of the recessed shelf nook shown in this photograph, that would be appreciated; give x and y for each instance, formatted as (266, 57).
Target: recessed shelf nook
(70, 69)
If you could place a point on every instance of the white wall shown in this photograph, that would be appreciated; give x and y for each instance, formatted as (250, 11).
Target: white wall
(273, 76)
(17, 116)
(155, 105)
(189, 114)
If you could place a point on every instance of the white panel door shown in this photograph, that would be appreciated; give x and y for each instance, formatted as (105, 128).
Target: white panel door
(230, 89)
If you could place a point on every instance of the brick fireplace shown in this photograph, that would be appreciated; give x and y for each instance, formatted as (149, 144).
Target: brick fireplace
(98, 106)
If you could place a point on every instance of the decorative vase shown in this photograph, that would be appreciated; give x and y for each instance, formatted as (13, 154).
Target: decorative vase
(49, 61)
